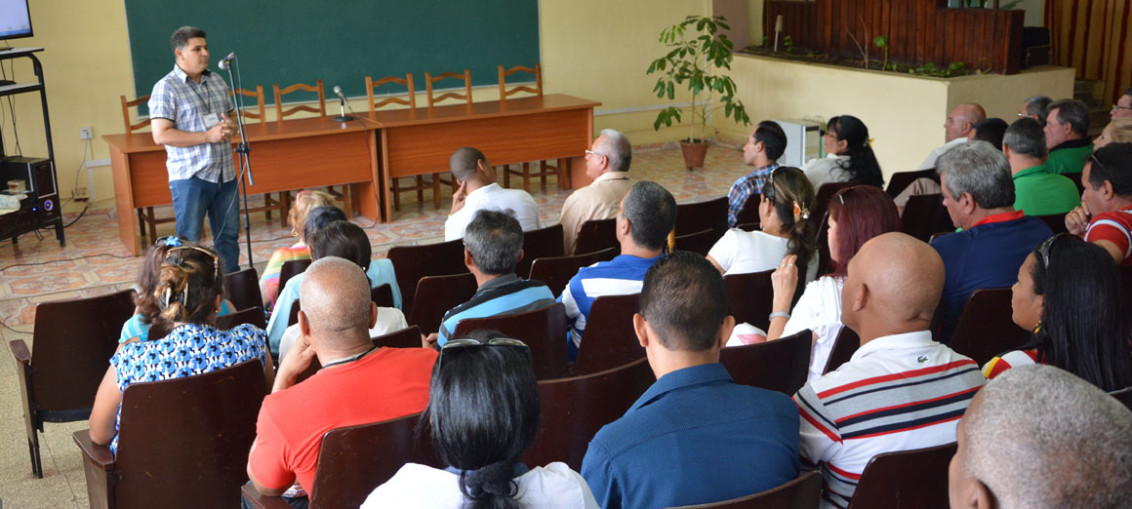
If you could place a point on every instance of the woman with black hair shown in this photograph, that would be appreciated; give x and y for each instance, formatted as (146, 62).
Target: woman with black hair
(483, 412)
(849, 154)
(1068, 293)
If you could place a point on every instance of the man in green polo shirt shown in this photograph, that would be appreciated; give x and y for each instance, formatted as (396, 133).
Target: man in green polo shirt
(1067, 136)
(1037, 192)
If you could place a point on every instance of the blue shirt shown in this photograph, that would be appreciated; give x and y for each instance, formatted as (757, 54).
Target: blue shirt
(694, 437)
(623, 275)
(742, 189)
(504, 295)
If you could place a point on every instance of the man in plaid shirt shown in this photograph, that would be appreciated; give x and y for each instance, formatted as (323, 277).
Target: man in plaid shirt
(191, 115)
(764, 146)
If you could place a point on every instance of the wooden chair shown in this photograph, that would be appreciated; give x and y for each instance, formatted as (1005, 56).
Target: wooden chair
(844, 347)
(543, 330)
(1124, 396)
(541, 243)
(597, 235)
(354, 460)
(574, 409)
(556, 271)
(253, 315)
(780, 365)
(821, 201)
(900, 180)
(694, 217)
(257, 112)
(147, 220)
(925, 215)
(411, 263)
(545, 169)
(466, 97)
(610, 339)
(1056, 222)
(242, 289)
(986, 329)
(825, 261)
(749, 297)
(1076, 178)
(282, 113)
(409, 337)
(382, 296)
(804, 492)
(212, 417)
(132, 126)
(749, 216)
(410, 100)
(73, 341)
(437, 295)
(291, 269)
(282, 203)
(916, 478)
(700, 242)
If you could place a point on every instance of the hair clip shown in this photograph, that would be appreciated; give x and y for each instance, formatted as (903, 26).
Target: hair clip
(869, 142)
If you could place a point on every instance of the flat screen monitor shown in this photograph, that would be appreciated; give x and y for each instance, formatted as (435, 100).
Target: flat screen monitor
(15, 21)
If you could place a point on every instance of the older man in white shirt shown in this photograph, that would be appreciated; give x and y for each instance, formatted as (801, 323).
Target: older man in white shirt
(959, 127)
(478, 190)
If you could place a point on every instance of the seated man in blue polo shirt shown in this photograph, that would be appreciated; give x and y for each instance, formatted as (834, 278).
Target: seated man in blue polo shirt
(694, 437)
(493, 244)
(647, 215)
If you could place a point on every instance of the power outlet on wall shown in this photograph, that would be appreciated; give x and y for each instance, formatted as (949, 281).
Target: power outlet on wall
(85, 133)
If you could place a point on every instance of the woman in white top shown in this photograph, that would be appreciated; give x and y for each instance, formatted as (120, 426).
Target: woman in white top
(784, 210)
(850, 155)
(483, 412)
(856, 214)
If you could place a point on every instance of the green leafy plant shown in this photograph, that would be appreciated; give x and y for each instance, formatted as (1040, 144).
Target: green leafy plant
(788, 43)
(929, 69)
(881, 41)
(697, 57)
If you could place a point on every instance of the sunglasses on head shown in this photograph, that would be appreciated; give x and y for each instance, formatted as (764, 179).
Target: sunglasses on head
(1045, 248)
(454, 346)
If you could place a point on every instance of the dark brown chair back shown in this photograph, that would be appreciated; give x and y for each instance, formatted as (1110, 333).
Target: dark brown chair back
(1076, 178)
(925, 215)
(438, 294)
(695, 217)
(541, 243)
(821, 200)
(825, 262)
(556, 271)
(900, 180)
(411, 263)
(382, 295)
(610, 339)
(597, 235)
(574, 409)
(804, 492)
(916, 478)
(699, 242)
(543, 330)
(1124, 396)
(986, 327)
(242, 289)
(252, 315)
(749, 216)
(780, 365)
(1056, 222)
(409, 337)
(844, 347)
(291, 269)
(750, 296)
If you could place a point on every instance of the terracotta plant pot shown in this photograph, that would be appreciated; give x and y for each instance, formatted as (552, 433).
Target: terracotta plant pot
(694, 153)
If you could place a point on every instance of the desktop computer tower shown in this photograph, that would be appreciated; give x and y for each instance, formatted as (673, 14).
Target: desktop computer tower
(39, 177)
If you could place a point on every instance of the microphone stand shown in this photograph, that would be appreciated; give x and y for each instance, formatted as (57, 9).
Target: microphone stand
(342, 116)
(244, 150)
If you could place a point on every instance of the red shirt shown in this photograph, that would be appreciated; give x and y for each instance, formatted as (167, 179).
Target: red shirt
(386, 384)
(1115, 227)
(1000, 218)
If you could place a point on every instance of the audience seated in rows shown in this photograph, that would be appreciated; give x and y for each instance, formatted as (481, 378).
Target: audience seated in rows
(1067, 136)
(305, 201)
(1036, 107)
(958, 128)
(849, 155)
(1117, 131)
(493, 244)
(856, 214)
(1037, 192)
(990, 130)
(979, 196)
(694, 436)
(478, 190)
(1040, 438)
(1123, 106)
(348, 241)
(764, 146)
(1105, 215)
(189, 290)
(1069, 295)
(480, 431)
(358, 383)
(900, 390)
(647, 215)
(607, 165)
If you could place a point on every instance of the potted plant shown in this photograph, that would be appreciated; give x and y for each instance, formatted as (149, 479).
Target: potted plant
(698, 56)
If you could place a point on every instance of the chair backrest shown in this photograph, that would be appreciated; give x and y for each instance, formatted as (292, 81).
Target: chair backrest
(596, 235)
(466, 96)
(749, 297)
(409, 337)
(1124, 396)
(257, 112)
(72, 343)
(1056, 222)
(1076, 178)
(382, 295)
(986, 327)
(574, 409)
(409, 100)
(540, 243)
(925, 215)
(130, 125)
(780, 365)
(352, 461)
(291, 269)
(900, 180)
(438, 294)
(411, 263)
(916, 478)
(242, 288)
(213, 419)
(505, 92)
(556, 271)
(317, 88)
(694, 217)
(699, 242)
(543, 330)
(821, 200)
(844, 347)
(252, 315)
(610, 339)
(804, 492)
(750, 213)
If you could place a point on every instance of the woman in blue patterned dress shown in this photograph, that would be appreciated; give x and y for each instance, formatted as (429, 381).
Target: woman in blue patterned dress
(187, 296)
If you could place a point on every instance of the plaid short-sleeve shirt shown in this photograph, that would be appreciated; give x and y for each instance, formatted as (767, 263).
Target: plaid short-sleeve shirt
(178, 98)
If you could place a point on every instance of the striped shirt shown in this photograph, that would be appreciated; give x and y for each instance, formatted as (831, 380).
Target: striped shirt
(1115, 227)
(1000, 364)
(623, 275)
(504, 295)
(741, 191)
(897, 393)
(176, 97)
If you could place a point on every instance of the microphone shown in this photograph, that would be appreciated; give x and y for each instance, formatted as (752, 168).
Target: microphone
(227, 61)
(342, 117)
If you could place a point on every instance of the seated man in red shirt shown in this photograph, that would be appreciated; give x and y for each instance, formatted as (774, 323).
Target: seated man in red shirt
(1107, 199)
(357, 384)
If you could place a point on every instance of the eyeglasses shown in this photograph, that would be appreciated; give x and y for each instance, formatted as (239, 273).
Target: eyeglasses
(1044, 248)
(768, 187)
(841, 194)
(461, 344)
(593, 153)
(1119, 107)
(1094, 160)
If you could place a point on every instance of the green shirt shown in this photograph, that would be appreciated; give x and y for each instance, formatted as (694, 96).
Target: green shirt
(1037, 192)
(1068, 160)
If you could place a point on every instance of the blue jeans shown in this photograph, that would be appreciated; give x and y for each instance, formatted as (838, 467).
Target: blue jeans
(192, 198)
